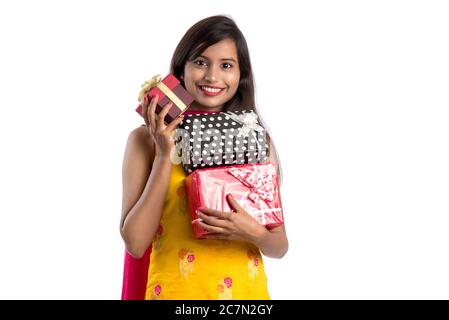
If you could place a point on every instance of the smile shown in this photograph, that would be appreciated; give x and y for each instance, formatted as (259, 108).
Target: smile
(210, 91)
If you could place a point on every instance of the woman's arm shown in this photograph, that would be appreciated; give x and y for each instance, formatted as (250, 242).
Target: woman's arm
(145, 185)
(273, 243)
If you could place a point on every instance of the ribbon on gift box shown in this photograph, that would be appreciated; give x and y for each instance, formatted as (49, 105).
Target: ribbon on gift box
(248, 121)
(156, 81)
(260, 184)
(261, 214)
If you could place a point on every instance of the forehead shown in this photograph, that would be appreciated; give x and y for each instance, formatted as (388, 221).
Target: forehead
(223, 49)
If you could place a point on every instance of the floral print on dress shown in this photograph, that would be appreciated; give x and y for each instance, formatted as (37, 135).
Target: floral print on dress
(156, 293)
(157, 241)
(224, 289)
(253, 264)
(182, 203)
(186, 259)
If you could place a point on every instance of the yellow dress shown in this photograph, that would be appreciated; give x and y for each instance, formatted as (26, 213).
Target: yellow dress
(183, 267)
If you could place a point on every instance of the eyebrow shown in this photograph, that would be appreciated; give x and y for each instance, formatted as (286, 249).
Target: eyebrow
(224, 59)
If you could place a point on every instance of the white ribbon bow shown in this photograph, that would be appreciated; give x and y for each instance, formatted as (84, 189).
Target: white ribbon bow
(248, 121)
(261, 184)
(262, 189)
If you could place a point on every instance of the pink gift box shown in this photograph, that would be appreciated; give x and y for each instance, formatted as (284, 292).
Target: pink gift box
(253, 186)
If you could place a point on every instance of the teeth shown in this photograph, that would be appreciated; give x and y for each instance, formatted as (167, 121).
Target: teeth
(208, 89)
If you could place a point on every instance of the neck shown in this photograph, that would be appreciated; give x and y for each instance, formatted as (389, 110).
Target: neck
(196, 107)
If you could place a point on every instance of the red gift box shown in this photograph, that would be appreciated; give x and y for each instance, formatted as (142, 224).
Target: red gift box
(253, 186)
(168, 89)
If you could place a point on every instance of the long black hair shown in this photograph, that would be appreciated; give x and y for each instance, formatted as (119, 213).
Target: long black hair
(208, 32)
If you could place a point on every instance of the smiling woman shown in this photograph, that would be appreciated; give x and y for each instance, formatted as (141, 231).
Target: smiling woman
(216, 46)
(212, 60)
(213, 77)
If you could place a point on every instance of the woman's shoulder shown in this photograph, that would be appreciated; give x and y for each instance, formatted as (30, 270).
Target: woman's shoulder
(140, 138)
(140, 131)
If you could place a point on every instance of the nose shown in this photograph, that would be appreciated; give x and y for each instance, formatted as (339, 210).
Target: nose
(211, 74)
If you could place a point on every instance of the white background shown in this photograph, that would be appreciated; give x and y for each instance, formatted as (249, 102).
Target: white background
(354, 92)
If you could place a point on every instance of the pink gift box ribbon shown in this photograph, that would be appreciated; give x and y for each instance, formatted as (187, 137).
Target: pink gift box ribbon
(261, 186)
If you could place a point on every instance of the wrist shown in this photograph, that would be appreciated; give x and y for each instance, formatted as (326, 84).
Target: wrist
(163, 158)
(260, 238)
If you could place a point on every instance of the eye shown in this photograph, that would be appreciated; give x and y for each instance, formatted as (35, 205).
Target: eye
(227, 65)
(200, 63)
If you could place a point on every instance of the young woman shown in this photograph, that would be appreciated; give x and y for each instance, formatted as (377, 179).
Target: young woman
(212, 60)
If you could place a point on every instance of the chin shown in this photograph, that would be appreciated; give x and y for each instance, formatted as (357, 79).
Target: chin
(210, 104)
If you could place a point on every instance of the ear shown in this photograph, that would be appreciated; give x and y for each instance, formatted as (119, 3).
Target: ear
(182, 76)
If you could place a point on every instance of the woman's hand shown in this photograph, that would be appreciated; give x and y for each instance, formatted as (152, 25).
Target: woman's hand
(237, 225)
(161, 133)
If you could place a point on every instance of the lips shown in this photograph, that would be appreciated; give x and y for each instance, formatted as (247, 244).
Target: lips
(210, 91)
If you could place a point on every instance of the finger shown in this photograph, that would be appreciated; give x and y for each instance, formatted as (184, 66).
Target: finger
(213, 221)
(215, 213)
(145, 110)
(197, 220)
(163, 113)
(211, 229)
(216, 236)
(233, 203)
(152, 110)
(175, 123)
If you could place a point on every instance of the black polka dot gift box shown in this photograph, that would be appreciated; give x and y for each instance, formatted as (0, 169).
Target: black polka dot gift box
(205, 140)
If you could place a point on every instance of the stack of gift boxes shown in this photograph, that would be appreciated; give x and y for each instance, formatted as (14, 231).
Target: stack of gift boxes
(221, 153)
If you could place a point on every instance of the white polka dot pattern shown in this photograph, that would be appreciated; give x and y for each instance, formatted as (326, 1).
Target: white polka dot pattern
(207, 149)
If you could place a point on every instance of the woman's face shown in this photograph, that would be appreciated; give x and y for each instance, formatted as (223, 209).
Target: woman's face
(213, 77)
